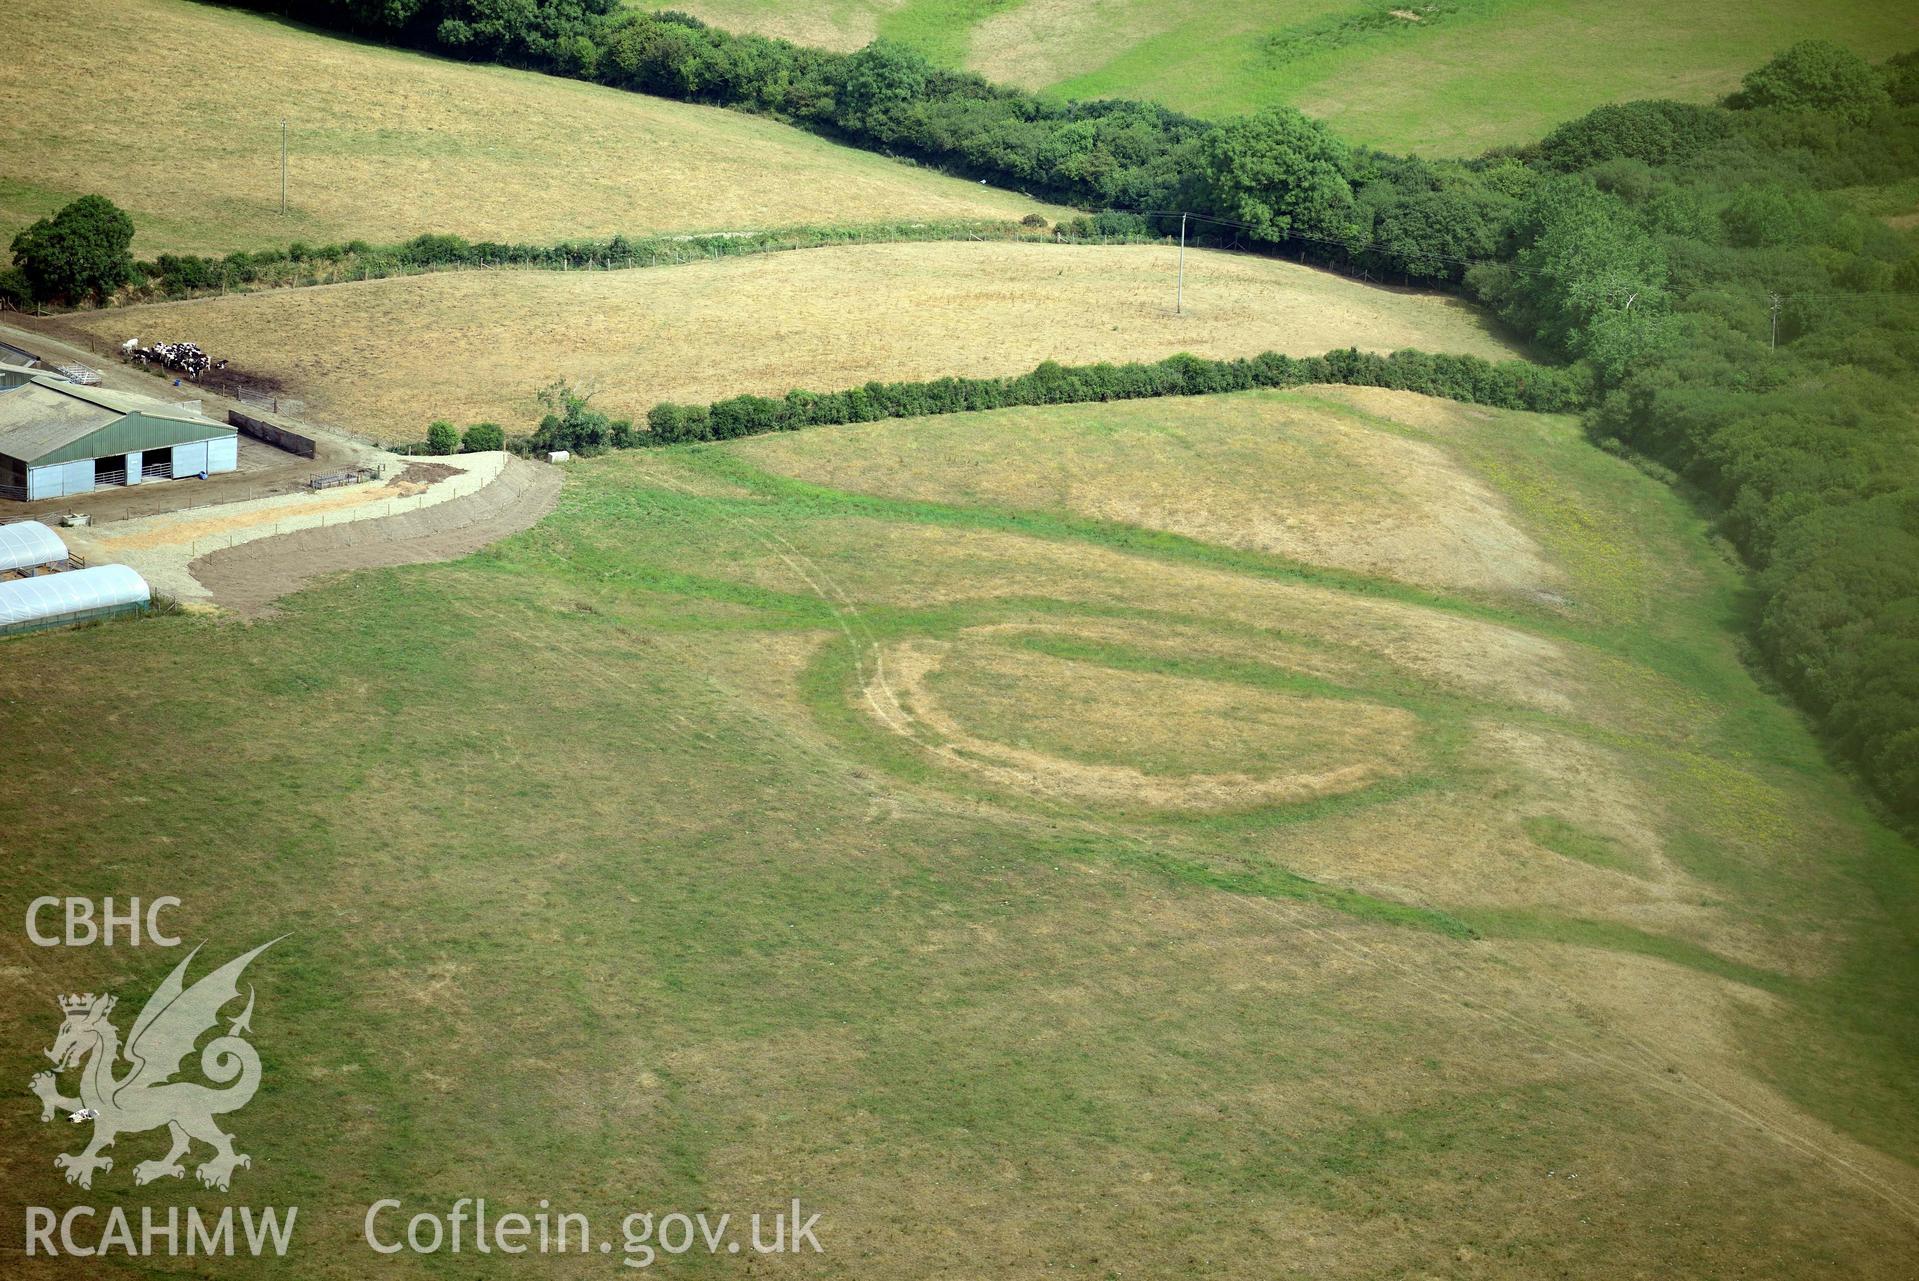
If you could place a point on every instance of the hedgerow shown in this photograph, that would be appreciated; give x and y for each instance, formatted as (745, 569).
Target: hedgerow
(1512, 384)
(1743, 319)
(189, 275)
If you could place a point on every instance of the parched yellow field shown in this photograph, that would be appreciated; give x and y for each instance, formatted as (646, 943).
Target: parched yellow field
(1283, 476)
(842, 25)
(173, 110)
(387, 357)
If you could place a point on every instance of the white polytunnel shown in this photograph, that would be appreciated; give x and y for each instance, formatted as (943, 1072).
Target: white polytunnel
(27, 544)
(52, 600)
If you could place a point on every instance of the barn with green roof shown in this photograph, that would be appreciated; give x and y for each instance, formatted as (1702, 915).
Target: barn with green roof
(59, 438)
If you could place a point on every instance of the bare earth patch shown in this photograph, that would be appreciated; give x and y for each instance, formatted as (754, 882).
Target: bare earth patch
(979, 988)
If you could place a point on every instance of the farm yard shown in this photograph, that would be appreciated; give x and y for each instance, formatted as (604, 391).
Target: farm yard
(384, 145)
(1449, 79)
(385, 357)
(890, 827)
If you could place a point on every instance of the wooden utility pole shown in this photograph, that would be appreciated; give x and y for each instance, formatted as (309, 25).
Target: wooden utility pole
(283, 166)
(1179, 290)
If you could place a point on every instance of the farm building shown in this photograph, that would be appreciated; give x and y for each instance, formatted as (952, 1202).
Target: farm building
(59, 438)
(20, 356)
(57, 600)
(28, 547)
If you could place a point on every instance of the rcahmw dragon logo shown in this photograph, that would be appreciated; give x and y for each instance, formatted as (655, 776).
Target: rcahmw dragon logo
(145, 1097)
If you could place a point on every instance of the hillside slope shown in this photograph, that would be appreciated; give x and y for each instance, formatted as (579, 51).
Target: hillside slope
(1438, 78)
(386, 357)
(874, 815)
(173, 110)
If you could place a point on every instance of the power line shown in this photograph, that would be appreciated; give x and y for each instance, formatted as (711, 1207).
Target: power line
(1179, 290)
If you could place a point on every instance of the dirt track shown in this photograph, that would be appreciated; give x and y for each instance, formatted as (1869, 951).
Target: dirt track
(249, 578)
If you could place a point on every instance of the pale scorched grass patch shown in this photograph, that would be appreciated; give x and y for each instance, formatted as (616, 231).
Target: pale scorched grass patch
(1265, 474)
(1126, 740)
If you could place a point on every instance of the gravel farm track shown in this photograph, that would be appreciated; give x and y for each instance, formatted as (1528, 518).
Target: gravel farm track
(247, 579)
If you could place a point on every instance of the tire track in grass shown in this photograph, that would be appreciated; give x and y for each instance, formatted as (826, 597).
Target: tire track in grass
(1643, 1066)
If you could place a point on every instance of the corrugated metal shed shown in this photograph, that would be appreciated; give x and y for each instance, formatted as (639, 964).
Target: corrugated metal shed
(47, 421)
(27, 544)
(51, 600)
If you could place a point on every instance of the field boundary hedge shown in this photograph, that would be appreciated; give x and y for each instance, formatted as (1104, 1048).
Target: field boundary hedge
(1511, 384)
(172, 277)
(1749, 323)
(1507, 384)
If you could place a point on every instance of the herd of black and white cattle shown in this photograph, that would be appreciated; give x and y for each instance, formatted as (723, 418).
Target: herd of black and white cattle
(182, 357)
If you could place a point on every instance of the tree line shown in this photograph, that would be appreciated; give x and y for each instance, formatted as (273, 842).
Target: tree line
(573, 425)
(1512, 384)
(83, 254)
(1720, 275)
(1414, 218)
(1751, 322)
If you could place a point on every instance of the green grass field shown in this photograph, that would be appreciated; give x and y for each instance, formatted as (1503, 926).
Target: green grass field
(759, 826)
(1449, 78)
(174, 110)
